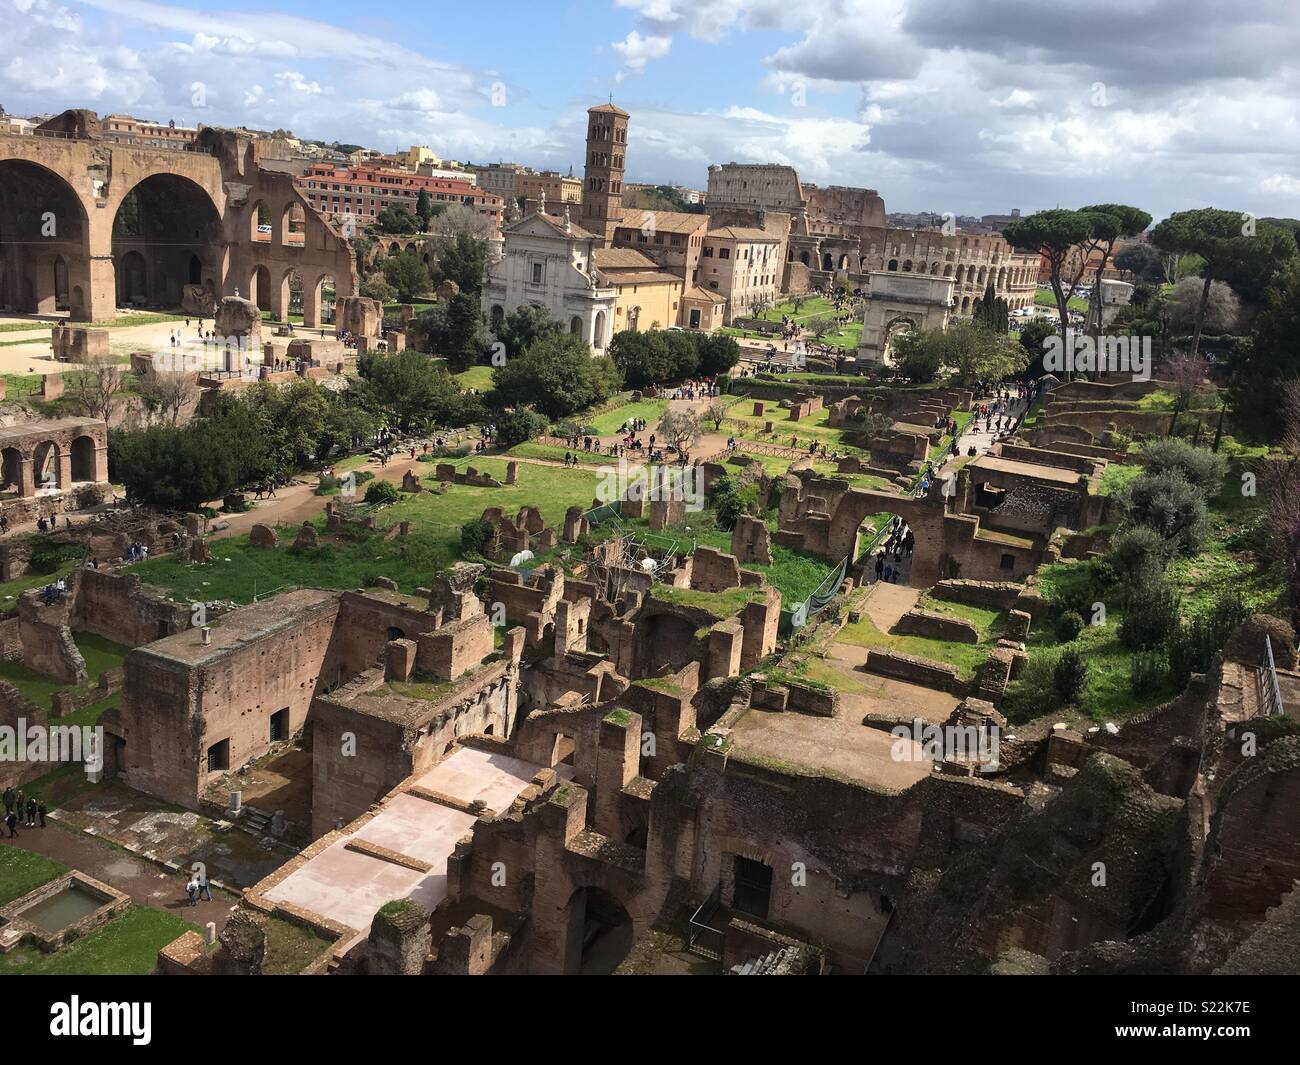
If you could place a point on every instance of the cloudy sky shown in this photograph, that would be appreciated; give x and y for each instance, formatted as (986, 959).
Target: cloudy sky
(969, 106)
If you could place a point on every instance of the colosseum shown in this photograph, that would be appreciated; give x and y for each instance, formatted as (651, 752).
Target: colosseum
(838, 230)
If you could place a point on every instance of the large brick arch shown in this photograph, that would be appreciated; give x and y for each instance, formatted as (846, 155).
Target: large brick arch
(223, 165)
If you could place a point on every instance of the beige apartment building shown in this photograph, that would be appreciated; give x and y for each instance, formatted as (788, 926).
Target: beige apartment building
(741, 264)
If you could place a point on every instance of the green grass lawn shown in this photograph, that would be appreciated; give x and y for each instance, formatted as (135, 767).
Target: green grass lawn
(967, 657)
(240, 572)
(611, 421)
(553, 453)
(23, 871)
(1118, 477)
(846, 338)
(1043, 298)
(100, 655)
(126, 946)
(479, 378)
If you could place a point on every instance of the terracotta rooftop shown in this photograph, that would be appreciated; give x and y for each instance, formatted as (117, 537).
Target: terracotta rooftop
(662, 221)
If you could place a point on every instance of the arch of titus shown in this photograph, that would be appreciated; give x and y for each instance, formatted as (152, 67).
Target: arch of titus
(898, 302)
(88, 225)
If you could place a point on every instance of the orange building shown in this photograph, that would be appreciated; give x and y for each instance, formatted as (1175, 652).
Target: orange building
(364, 191)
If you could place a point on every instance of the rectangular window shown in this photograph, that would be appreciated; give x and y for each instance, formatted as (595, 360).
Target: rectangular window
(537, 273)
(219, 757)
(724, 253)
(280, 725)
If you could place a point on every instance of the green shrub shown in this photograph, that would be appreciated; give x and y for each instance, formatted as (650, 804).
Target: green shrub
(1138, 555)
(1033, 693)
(1172, 506)
(329, 484)
(1068, 626)
(1199, 466)
(362, 476)
(1150, 617)
(519, 426)
(379, 492)
(1146, 673)
(1191, 647)
(1069, 676)
(475, 537)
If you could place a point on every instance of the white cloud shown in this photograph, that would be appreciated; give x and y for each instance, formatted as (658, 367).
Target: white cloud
(637, 51)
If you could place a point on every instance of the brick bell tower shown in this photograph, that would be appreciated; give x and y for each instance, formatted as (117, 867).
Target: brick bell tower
(602, 191)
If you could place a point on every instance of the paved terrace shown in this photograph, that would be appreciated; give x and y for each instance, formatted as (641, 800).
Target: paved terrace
(346, 886)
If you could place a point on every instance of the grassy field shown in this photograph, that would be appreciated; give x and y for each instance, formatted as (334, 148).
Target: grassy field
(23, 871)
(241, 573)
(553, 453)
(126, 946)
(479, 378)
(612, 420)
(967, 657)
(1043, 298)
(846, 338)
(100, 655)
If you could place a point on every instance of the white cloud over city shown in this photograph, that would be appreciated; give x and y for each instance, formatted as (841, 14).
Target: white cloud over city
(939, 104)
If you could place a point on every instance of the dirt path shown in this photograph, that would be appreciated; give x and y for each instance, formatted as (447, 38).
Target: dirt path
(145, 882)
(887, 603)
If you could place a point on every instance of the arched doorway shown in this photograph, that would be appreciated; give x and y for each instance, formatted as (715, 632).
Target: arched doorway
(83, 459)
(45, 466)
(11, 470)
(575, 325)
(168, 221)
(598, 933)
(293, 225)
(259, 287)
(44, 248)
(600, 330)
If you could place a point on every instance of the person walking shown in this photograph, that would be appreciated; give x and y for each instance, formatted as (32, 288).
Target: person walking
(31, 812)
(204, 892)
(40, 813)
(191, 890)
(11, 821)
(9, 799)
(880, 564)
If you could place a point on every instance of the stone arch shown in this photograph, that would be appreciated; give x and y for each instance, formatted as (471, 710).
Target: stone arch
(844, 262)
(907, 266)
(599, 331)
(598, 932)
(11, 469)
(893, 265)
(168, 219)
(318, 301)
(947, 270)
(496, 317)
(803, 258)
(47, 465)
(259, 287)
(575, 325)
(83, 459)
(1002, 278)
(395, 248)
(827, 261)
(934, 268)
(293, 225)
(42, 219)
(965, 305)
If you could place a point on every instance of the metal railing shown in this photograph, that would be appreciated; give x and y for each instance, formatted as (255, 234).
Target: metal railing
(1270, 692)
(702, 938)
